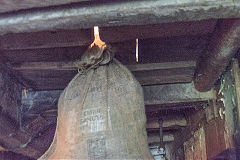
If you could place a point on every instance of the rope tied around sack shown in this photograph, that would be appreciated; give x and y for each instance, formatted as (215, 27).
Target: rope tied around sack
(93, 57)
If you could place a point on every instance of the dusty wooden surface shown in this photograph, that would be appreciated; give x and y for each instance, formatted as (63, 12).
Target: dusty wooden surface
(167, 123)
(220, 130)
(13, 5)
(236, 75)
(154, 138)
(222, 47)
(116, 14)
(165, 49)
(45, 75)
(195, 147)
(160, 94)
(174, 94)
(183, 42)
(74, 38)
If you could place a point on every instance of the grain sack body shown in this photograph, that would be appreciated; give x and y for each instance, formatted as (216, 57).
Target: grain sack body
(101, 115)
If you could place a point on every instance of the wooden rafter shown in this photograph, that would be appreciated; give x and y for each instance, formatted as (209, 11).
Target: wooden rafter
(83, 37)
(11, 5)
(222, 47)
(47, 75)
(116, 14)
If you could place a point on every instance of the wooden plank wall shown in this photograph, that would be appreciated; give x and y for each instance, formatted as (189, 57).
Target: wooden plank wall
(195, 147)
(220, 129)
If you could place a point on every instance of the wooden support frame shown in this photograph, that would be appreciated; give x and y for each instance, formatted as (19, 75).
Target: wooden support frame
(47, 74)
(157, 97)
(62, 66)
(84, 37)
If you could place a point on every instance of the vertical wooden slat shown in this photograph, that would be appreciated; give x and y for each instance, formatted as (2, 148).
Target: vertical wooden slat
(237, 90)
(195, 148)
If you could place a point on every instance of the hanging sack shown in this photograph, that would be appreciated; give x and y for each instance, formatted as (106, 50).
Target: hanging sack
(101, 113)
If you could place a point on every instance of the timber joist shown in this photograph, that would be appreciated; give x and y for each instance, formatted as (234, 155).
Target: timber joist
(115, 14)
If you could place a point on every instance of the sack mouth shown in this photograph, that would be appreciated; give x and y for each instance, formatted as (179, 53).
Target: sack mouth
(94, 57)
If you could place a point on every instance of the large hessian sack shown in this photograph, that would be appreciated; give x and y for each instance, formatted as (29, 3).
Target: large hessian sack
(101, 115)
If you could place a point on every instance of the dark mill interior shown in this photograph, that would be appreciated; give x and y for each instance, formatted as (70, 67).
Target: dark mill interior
(119, 79)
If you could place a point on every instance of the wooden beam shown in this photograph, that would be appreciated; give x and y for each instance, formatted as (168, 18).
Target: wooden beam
(174, 93)
(167, 123)
(224, 44)
(48, 75)
(157, 96)
(36, 55)
(168, 76)
(155, 139)
(157, 50)
(236, 76)
(71, 38)
(161, 66)
(11, 5)
(61, 66)
(74, 38)
(116, 14)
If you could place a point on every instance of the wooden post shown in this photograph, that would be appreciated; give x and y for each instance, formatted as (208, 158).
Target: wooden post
(236, 75)
(237, 90)
(195, 147)
(220, 130)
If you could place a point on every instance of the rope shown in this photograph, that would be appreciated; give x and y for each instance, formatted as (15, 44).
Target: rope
(105, 58)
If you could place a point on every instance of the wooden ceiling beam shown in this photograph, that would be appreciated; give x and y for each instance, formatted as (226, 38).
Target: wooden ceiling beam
(48, 75)
(168, 122)
(183, 48)
(170, 94)
(115, 14)
(75, 38)
(63, 66)
(11, 5)
(155, 139)
(156, 97)
(223, 46)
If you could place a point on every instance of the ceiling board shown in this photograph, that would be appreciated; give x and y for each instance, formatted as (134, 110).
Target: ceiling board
(71, 38)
